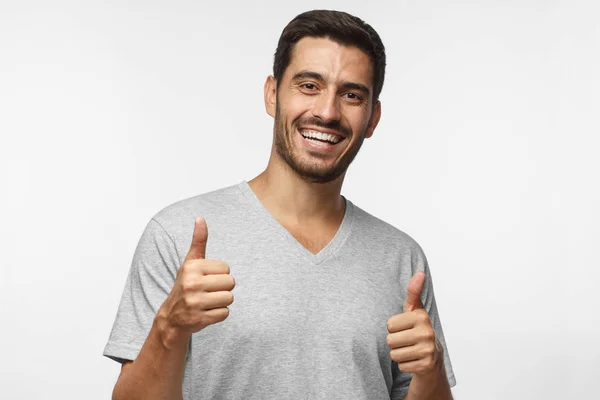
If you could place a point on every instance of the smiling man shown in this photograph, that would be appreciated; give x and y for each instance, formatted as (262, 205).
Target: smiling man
(330, 301)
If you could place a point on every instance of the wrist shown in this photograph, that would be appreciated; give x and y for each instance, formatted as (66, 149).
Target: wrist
(429, 383)
(169, 336)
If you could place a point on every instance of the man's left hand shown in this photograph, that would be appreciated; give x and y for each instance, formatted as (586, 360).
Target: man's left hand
(411, 337)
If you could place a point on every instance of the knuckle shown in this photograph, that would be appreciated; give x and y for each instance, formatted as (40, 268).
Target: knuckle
(431, 349)
(390, 325)
(428, 334)
(226, 268)
(183, 269)
(189, 267)
(428, 351)
(389, 340)
(188, 302)
(188, 287)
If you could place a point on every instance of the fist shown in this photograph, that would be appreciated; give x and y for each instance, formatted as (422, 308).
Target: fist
(202, 289)
(411, 337)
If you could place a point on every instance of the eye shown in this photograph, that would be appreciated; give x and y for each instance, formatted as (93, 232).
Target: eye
(353, 97)
(308, 86)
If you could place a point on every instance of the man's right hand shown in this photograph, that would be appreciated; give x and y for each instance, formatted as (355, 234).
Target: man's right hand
(201, 293)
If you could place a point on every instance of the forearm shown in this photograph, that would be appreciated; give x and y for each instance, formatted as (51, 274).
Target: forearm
(430, 386)
(157, 372)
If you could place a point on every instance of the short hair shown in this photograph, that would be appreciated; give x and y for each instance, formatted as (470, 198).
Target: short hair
(338, 26)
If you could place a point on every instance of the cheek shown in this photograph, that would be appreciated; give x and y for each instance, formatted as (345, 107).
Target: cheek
(299, 105)
(288, 112)
(358, 120)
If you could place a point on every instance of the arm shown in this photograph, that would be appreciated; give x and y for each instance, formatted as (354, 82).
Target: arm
(157, 372)
(199, 297)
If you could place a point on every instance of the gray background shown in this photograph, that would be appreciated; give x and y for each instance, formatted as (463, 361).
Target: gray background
(485, 154)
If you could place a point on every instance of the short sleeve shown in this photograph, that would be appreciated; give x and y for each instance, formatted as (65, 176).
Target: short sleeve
(401, 380)
(149, 282)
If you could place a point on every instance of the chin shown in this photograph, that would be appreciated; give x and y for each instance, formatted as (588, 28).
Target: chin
(311, 175)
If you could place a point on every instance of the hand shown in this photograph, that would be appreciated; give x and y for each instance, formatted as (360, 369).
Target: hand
(411, 337)
(201, 292)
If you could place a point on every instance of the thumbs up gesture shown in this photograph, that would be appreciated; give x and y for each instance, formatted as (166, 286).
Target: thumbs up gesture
(202, 289)
(411, 337)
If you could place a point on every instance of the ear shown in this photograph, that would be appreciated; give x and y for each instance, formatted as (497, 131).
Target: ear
(375, 116)
(270, 95)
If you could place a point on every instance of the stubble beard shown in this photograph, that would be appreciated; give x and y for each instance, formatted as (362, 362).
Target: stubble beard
(311, 172)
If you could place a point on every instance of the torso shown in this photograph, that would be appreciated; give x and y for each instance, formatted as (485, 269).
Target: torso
(311, 303)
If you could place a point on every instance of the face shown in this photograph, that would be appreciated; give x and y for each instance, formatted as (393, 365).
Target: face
(323, 108)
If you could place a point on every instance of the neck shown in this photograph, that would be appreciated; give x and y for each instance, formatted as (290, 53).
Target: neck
(292, 199)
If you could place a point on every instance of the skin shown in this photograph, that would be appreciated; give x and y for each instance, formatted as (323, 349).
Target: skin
(326, 87)
(333, 97)
(301, 187)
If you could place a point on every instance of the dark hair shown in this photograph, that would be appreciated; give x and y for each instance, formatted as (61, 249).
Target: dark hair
(338, 26)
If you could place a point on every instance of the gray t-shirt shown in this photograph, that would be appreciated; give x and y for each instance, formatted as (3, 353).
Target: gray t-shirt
(302, 326)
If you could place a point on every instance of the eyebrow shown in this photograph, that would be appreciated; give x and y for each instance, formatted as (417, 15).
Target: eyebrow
(318, 77)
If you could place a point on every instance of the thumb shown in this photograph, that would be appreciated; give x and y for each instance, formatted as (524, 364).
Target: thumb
(413, 292)
(198, 246)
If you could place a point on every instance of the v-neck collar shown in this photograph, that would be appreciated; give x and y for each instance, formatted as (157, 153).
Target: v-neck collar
(332, 247)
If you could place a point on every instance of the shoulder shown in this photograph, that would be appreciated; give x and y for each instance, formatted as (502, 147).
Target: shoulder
(177, 219)
(376, 227)
(388, 245)
(384, 236)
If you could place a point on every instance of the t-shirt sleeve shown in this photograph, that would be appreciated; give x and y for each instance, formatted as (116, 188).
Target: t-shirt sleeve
(401, 380)
(149, 282)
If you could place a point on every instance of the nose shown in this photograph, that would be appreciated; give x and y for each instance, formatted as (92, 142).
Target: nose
(327, 107)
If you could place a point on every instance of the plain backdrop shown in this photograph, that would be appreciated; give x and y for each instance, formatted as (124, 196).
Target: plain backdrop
(485, 154)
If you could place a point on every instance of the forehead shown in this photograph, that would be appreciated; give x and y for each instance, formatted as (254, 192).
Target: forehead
(335, 61)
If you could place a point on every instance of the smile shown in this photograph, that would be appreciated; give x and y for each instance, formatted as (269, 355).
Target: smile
(317, 137)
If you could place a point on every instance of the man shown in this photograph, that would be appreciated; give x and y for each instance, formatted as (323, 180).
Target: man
(330, 302)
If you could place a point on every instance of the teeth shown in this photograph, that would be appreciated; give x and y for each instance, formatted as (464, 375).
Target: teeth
(321, 136)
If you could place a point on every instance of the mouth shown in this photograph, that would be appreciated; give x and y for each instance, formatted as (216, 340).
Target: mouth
(319, 138)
